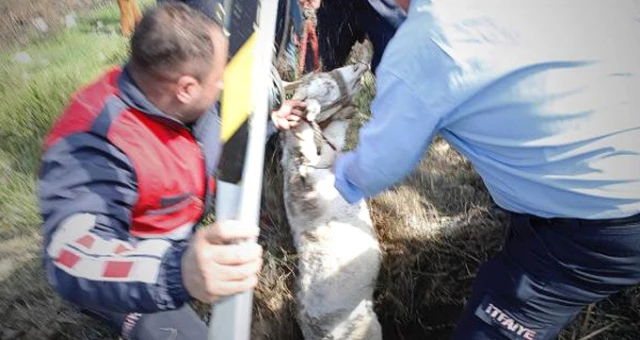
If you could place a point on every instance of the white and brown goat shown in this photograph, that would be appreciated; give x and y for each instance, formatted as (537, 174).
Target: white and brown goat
(338, 252)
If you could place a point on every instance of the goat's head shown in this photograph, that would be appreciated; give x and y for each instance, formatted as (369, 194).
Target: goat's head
(328, 93)
(329, 97)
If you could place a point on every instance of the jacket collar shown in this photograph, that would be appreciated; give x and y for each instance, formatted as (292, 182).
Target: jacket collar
(131, 94)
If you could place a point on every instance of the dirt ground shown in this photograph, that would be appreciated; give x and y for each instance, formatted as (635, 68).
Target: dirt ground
(18, 27)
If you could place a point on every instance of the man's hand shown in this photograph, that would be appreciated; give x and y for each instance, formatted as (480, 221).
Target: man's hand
(214, 266)
(288, 116)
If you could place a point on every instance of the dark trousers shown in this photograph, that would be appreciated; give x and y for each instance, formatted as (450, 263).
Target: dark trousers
(180, 324)
(342, 23)
(548, 270)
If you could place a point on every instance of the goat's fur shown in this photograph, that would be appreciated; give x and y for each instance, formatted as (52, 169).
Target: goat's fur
(338, 252)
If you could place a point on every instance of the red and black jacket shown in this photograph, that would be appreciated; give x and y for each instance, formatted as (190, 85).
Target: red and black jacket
(121, 188)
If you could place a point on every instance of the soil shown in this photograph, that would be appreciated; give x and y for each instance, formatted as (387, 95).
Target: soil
(18, 27)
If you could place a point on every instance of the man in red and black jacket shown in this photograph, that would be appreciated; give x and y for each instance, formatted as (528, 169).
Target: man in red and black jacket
(127, 174)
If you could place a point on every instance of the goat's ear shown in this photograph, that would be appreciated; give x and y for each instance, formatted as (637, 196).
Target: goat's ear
(291, 86)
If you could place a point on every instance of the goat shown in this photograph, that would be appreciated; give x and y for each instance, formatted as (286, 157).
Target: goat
(338, 252)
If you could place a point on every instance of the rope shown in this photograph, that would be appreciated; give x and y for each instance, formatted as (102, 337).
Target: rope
(317, 130)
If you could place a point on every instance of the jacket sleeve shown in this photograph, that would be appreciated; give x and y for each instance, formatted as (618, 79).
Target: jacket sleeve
(87, 189)
(417, 83)
(390, 144)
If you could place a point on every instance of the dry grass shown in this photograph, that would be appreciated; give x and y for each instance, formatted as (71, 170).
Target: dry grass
(435, 231)
(31, 96)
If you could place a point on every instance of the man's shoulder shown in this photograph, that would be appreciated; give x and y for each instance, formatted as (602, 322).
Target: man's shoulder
(105, 83)
(414, 57)
(91, 107)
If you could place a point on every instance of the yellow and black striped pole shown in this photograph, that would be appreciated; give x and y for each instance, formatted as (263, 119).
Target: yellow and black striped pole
(250, 25)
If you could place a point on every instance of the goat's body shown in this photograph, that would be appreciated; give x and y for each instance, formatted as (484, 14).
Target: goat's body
(338, 253)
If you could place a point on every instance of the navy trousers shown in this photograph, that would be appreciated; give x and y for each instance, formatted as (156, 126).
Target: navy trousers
(342, 23)
(548, 270)
(179, 324)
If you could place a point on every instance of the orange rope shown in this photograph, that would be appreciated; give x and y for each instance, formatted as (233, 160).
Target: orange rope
(309, 36)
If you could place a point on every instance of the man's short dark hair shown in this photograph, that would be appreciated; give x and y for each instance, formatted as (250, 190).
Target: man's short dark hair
(173, 38)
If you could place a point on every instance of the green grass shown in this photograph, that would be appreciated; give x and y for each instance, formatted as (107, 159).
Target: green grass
(33, 94)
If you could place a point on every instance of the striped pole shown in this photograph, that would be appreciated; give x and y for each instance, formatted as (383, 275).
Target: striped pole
(245, 112)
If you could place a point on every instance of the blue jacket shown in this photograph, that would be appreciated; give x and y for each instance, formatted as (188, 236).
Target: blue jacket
(542, 99)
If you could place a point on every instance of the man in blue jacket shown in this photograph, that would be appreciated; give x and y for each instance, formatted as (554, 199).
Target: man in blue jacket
(127, 175)
(542, 98)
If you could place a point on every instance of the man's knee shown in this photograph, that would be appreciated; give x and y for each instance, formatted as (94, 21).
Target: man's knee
(545, 275)
(507, 303)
